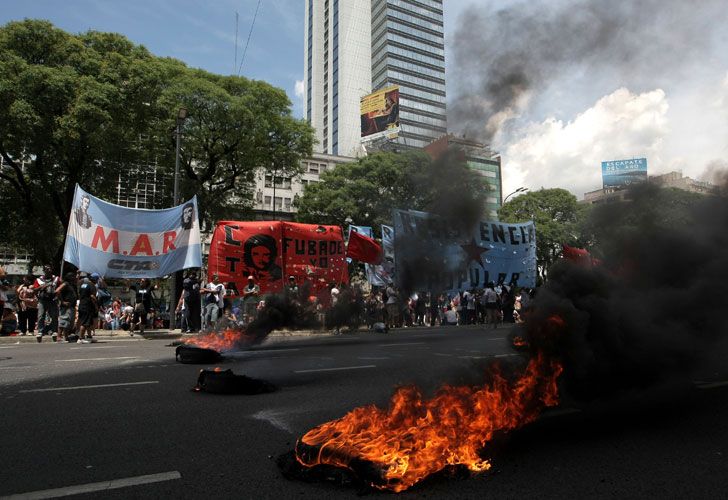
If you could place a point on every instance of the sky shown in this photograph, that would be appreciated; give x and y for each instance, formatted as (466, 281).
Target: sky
(603, 80)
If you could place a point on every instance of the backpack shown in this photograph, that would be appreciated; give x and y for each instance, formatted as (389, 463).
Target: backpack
(103, 297)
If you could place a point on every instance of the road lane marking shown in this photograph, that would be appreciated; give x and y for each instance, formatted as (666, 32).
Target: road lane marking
(506, 355)
(97, 386)
(335, 369)
(402, 343)
(15, 367)
(98, 347)
(100, 486)
(711, 385)
(443, 354)
(366, 358)
(75, 360)
(11, 346)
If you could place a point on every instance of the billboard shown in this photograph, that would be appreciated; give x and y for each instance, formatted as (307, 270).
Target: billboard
(121, 242)
(380, 114)
(432, 255)
(274, 250)
(622, 173)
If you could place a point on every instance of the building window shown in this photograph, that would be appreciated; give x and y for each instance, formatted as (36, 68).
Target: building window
(266, 203)
(313, 168)
(287, 203)
(278, 203)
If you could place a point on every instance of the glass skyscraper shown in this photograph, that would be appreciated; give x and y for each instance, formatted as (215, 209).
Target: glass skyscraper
(408, 49)
(355, 47)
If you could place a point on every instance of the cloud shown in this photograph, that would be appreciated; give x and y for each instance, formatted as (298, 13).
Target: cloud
(299, 89)
(554, 153)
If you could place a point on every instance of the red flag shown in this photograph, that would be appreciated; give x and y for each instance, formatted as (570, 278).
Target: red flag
(364, 249)
(579, 255)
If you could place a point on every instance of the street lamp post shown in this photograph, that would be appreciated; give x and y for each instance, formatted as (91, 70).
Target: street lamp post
(519, 190)
(181, 117)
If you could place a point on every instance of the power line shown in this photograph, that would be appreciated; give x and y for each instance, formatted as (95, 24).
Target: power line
(245, 50)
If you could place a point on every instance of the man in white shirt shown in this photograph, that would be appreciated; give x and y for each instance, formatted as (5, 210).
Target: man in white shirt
(214, 301)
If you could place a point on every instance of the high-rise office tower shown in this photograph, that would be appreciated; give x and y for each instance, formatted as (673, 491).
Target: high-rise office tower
(337, 71)
(354, 47)
(408, 49)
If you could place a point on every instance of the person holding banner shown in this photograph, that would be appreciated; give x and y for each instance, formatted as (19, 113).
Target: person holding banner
(66, 294)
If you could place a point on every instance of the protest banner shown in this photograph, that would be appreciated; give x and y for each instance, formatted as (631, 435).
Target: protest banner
(433, 255)
(273, 250)
(121, 242)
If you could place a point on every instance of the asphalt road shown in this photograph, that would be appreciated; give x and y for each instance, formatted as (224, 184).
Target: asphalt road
(121, 413)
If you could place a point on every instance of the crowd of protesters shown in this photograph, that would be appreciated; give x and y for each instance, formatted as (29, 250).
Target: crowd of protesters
(490, 306)
(72, 307)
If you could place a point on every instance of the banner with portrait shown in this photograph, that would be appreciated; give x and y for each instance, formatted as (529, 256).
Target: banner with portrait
(121, 242)
(433, 255)
(271, 251)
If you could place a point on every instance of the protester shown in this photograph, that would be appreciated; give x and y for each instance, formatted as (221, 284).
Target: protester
(214, 293)
(66, 295)
(27, 305)
(251, 294)
(87, 310)
(491, 305)
(143, 297)
(391, 307)
(193, 303)
(9, 321)
(45, 290)
(450, 318)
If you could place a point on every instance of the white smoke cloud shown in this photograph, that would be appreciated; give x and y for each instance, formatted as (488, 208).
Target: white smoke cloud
(298, 88)
(554, 153)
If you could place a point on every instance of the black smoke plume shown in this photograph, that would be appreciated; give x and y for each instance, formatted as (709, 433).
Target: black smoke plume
(653, 310)
(505, 56)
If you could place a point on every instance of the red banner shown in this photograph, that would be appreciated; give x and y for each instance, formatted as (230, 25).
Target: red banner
(273, 251)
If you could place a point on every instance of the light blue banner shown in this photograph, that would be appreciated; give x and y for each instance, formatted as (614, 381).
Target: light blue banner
(621, 173)
(450, 261)
(120, 242)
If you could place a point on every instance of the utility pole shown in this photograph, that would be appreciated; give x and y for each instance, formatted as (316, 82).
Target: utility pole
(181, 117)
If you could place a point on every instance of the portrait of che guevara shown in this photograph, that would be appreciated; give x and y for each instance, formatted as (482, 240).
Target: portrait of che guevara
(259, 255)
(83, 218)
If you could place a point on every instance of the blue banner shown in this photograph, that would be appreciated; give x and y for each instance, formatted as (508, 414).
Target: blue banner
(120, 242)
(432, 255)
(621, 173)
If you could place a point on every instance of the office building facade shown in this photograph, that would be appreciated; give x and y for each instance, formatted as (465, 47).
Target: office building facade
(352, 48)
(408, 50)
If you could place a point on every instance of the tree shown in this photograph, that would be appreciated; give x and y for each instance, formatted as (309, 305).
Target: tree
(83, 108)
(367, 190)
(557, 217)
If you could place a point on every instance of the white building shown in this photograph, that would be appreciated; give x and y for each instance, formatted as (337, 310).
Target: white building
(337, 72)
(275, 196)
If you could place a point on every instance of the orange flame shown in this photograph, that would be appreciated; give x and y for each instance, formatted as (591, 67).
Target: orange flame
(415, 438)
(226, 340)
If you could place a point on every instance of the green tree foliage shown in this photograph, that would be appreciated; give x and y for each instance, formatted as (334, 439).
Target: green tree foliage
(367, 190)
(558, 218)
(83, 108)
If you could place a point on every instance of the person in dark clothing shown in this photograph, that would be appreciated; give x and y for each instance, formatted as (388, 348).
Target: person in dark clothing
(66, 294)
(143, 297)
(87, 311)
(193, 305)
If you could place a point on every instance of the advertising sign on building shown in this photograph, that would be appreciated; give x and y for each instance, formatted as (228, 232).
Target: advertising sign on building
(622, 173)
(272, 251)
(454, 260)
(380, 114)
(121, 242)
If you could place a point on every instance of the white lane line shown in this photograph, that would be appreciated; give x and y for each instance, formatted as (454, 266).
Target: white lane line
(242, 354)
(335, 369)
(75, 360)
(15, 367)
(475, 357)
(402, 343)
(366, 358)
(506, 355)
(98, 347)
(443, 354)
(10, 346)
(711, 385)
(98, 386)
(100, 486)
